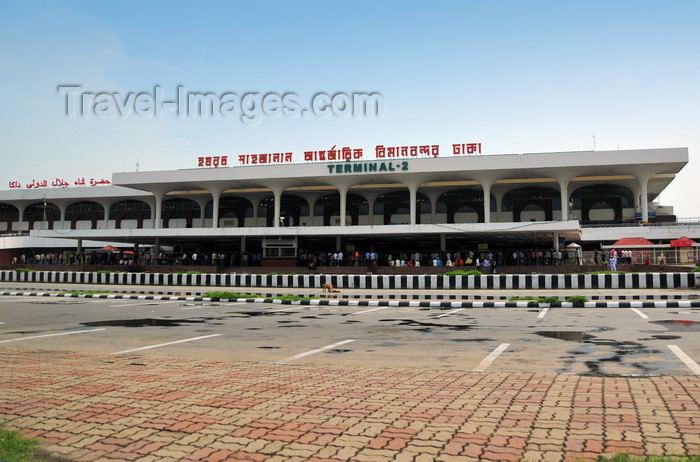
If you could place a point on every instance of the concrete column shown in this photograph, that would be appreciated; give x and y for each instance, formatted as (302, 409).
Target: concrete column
(555, 242)
(158, 222)
(564, 194)
(643, 175)
(278, 209)
(498, 194)
(433, 196)
(412, 194)
(443, 243)
(637, 194)
(216, 193)
(20, 223)
(337, 244)
(486, 186)
(643, 199)
(343, 187)
(256, 205)
(62, 209)
(371, 200)
(202, 203)
(215, 198)
(106, 205)
(277, 191)
(563, 177)
(310, 199)
(343, 203)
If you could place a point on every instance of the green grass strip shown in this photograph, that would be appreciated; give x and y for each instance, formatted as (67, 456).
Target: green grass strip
(230, 295)
(464, 273)
(628, 458)
(234, 295)
(571, 299)
(85, 292)
(15, 447)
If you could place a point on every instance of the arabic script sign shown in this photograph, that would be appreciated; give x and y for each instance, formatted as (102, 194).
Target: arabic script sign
(58, 183)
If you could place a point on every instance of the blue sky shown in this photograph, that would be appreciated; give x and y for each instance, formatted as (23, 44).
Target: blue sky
(517, 76)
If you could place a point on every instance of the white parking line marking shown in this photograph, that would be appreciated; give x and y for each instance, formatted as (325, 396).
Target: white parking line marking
(685, 358)
(641, 315)
(449, 313)
(165, 344)
(317, 350)
(199, 307)
(373, 309)
(150, 302)
(286, 309)
(491, 357)
(543, 313)
(50, 335)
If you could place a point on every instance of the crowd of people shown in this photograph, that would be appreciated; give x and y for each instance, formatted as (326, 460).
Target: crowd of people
(484, 261)
(129, 257)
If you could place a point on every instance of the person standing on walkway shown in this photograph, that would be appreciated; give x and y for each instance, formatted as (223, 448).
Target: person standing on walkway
(662, 262)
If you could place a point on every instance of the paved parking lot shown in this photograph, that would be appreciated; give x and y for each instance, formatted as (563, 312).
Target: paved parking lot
(166, 380)
(589, 341)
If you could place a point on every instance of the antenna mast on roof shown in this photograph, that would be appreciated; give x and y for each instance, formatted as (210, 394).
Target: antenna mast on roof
(594, 141)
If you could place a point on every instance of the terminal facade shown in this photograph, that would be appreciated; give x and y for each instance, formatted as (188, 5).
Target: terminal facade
(384, 204)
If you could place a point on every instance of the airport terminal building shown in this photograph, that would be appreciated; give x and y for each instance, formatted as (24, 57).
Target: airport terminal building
(407, 198)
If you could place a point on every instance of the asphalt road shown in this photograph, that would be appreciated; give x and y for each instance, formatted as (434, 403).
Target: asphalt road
(589, 341)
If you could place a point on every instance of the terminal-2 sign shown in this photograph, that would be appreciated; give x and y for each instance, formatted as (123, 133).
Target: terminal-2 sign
(368, 167)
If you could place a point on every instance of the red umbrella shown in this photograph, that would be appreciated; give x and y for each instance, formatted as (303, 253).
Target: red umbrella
(109, 247)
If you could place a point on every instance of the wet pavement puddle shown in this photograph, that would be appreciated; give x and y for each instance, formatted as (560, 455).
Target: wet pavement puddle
(678, 325)
(147, 322)
(477, 340)
(428, 326)
(569, 336)
(636, 357)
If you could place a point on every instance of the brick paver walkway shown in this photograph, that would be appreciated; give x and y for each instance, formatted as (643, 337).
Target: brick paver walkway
(145, 408)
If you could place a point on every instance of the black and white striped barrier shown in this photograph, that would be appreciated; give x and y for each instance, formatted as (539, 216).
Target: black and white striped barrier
(349, 281)
(397, 303)
(387, 296)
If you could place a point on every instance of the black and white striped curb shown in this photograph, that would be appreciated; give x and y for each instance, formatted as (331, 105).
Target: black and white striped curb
(463, 297)
(370, 281)
(377, 303)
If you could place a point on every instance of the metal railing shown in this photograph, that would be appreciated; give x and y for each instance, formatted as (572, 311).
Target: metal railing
(637, 224)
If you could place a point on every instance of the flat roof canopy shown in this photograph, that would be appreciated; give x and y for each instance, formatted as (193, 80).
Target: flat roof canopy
(511, 233)
(660, 164)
